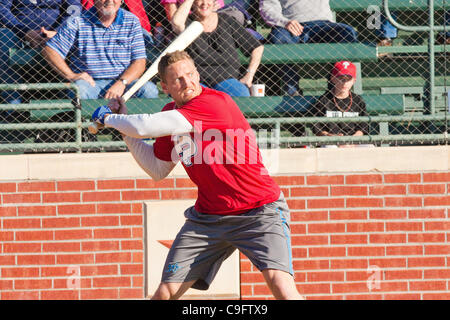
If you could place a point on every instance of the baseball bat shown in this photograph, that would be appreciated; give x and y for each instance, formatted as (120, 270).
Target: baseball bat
(181, 42)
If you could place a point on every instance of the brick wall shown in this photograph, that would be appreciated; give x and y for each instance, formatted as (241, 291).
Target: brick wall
(83, 239)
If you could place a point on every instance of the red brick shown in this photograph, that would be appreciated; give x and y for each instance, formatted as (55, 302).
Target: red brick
(289, 180)
(327, 252)
(309, 215)
(387, 238)
(60, 295)
(6, 236)
(61, 197)
(383, 214)
(75, 259)
(309, 191)
(348, 264)
(35, 186)
(128, 293)
(8, 211)
(17, 247)
(20, 295)
(261, 290)
(436, 296)
(296, 204)
(388, 262)
(404, 226)
(61, 247)
(437, 274)
(426, 188)
(7, 260)
(403, 201)
(75, 185)
(176, 194)
(114, 208)
(20, 272)
(402, 178)
(348, 239)
(61, 222)
(298, 228)
(137, 232)
(326, 203)
(111, 282)
(48, 272)
(73, 234)
(8, 187)
(348, 215)
(314, 288)
(6, 285)
(349, 191)
(76, 209)
(326, 227)
(404, 250)
(357, 275)
(364, 296)
(100, 246)
(437, 249)
(325, 276)
(91, 294)
(136, 220)
(22, 198)
(115, 184)
(299, 252)
(436, 177)
(387, 189)
(95, 221)
(132, 245)
(317, 180)
(32, 284)
(140, 195)
(128, 269)
(402, 274)
(34, 235)
(364, 202)
(166, 183)
(112, 233)
(437, 201)
(37, 211)
(388, 286)
(113, 257)
(426, 213)
(99, 270)
(365, 226)
(365, 251)
(414, 262)
(437, 225)
(311, 264)
(428, 285)
(426, 237)
(363, 179)
(402, 296)
(349, 287)
(309, 240)
(99, 196)
(21, 223)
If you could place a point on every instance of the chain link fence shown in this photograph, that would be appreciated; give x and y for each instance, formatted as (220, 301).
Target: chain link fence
(400, 95)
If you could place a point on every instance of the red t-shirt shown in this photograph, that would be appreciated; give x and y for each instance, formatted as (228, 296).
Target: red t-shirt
(221, 156)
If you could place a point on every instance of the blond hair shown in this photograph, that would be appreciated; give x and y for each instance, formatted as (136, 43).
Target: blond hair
(169, 59)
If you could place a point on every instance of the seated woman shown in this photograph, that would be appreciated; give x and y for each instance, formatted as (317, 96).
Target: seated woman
(215, 51)
(339, 101)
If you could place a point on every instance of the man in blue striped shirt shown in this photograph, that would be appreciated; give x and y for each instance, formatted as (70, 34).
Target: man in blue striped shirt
(107, 52)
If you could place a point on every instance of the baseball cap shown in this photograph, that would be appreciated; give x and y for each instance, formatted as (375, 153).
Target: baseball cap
(343, 68)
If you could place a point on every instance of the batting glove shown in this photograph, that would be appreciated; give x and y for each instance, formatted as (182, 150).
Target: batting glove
(100, 113)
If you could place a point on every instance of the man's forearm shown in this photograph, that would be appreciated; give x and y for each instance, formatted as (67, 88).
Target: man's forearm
(255, 59)
(134, 70)
(58, 63)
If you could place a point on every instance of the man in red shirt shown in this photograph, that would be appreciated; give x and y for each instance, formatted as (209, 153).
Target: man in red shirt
(238, 206)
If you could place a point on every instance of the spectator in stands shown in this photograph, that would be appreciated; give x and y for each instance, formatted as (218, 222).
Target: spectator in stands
(170, 6)
(302, 21)
(339, 101)
(215, 51)
(34, 22)
(444, 37)
(137, 8)
(108, 52)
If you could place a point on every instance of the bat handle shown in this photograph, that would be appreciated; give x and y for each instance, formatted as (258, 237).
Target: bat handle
(94, 127)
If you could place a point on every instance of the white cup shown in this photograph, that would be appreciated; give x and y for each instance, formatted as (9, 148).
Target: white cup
(258, 90)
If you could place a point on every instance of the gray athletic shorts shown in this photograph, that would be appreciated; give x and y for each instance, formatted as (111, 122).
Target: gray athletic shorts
(205, 241)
